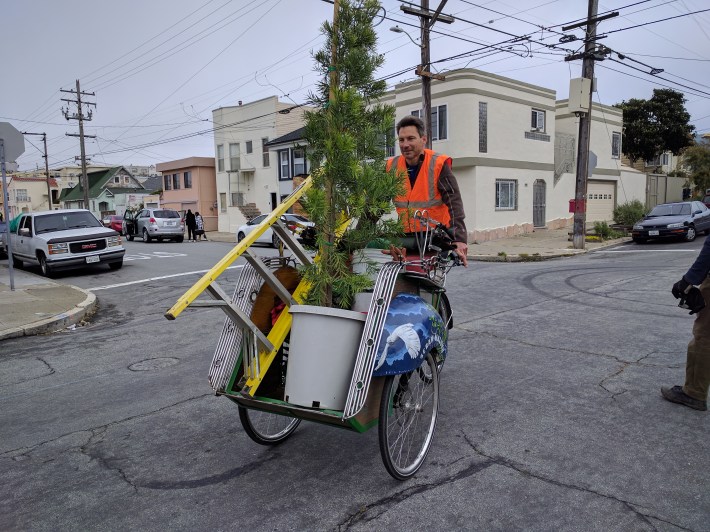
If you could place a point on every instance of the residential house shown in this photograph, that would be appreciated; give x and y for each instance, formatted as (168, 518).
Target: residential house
(246, 175)
(111, 191)
(502, 136)
(28, 194)
(191, 184)
(289, 152)
(661, 187)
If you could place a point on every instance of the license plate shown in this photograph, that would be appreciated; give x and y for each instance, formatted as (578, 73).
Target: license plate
(653, 233)
(169, 223)
(94, 258)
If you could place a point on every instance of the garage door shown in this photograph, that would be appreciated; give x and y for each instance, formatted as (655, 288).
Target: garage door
(601, 198)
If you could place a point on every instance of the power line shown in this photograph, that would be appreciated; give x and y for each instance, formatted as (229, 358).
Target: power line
(656, 21)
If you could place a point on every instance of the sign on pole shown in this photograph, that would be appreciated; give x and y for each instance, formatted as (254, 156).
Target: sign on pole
(12, 145)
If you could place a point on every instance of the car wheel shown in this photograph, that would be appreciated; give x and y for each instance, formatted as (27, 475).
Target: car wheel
(275, 241)
(240, 236)
(691, 234)
(146, 236)
(639, 240)
(43, 265)
(115, 265)
(179, 239)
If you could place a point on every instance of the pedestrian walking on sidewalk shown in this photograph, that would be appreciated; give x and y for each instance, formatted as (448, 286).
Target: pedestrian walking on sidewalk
(694, 393)
(191, 225)
(200, 223)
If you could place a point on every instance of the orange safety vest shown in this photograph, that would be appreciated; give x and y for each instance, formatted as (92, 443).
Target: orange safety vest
(425, 194)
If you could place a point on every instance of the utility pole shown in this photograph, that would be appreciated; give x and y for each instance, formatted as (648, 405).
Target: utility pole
(585, 121)
(79, 115)
(426, 21)
(46, 165)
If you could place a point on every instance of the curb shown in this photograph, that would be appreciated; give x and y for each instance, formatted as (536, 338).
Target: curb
(537, 257)
(57, 322)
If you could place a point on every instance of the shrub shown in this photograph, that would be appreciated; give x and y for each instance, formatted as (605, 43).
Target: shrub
(629, 213)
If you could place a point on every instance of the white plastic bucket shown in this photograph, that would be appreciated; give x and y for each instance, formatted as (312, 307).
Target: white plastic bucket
(322, 350)
(372, 257)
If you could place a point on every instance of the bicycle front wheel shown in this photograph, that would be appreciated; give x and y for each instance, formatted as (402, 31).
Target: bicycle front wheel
(408, 412)
(266, 428)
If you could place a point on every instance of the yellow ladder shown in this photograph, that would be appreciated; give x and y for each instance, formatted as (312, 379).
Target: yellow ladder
(267, 346)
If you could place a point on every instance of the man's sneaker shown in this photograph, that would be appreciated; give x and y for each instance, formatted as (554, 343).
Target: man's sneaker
(677, 395)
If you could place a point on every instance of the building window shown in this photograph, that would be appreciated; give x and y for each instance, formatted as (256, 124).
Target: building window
(391, 141)
(220, 158)
(234, 163)
(223, 201)
(21, 194)
(249, 146)
(537, 122)
(615, 145)
(187, 179)
(166, 182)
(265, 152)
(661, 160)
(176, 181)
(284, 165)
(237, 199)
(482, 127)
(439, 122)
(299, 161)
(506, 194)
(116, 179)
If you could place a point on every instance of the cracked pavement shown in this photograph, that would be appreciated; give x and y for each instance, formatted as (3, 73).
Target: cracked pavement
(550, 419)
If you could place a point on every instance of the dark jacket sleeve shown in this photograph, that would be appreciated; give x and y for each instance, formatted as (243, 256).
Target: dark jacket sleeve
(449, 189)
(701, 267)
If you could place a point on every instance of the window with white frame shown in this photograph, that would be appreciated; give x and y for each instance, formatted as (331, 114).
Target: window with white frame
(299, 161)
(265, 152)
(439, 122)
(234, 163)
(537, 121)
(249, 146)
(506, 194)
(615, 145)
(220, 157)
(223, 202)
(21, 194)
(284, 165)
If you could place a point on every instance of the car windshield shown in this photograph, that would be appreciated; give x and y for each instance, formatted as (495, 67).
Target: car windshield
(166, 214)
(63, 221)
(671, 209)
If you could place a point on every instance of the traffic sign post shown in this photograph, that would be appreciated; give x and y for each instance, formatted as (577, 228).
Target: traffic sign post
(12, 145)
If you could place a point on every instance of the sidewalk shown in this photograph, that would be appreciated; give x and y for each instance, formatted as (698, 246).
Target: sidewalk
(39, 305)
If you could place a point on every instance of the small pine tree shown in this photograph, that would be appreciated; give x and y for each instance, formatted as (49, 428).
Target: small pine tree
(346, 148)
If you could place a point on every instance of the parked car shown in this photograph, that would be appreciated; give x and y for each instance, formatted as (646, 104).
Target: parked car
(706, 200)
(3, 236)
(64, 239)
(673, 220)
(114, 221)
(154, 223)
(295, 223)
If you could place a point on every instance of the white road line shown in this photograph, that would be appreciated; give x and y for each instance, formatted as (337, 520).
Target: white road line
(118, 285)
(647, 251)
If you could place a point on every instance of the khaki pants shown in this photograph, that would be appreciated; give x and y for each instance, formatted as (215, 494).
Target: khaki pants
(697, 367)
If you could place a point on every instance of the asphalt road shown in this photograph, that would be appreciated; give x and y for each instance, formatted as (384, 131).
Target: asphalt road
(550, 416)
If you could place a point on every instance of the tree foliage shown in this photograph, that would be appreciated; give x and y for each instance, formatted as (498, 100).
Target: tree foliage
(656, 125)
(697, 161)
(346, 138)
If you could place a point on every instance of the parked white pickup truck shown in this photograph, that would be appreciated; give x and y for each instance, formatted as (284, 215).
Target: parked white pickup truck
(64, 239)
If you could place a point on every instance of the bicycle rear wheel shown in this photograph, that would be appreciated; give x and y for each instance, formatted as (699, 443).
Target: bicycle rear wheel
(408, 412)
(266, 428)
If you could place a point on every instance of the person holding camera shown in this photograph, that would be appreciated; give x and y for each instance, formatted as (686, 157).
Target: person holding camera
(694, 393)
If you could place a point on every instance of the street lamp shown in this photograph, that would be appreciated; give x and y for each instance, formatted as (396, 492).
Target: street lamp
(397, 29)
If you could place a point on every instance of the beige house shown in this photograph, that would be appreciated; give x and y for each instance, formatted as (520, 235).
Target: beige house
(190, 184)
(513, 147)
(247, 176)
(29, 194)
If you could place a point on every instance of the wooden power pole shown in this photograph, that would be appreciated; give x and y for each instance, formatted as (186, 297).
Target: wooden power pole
(79, 115)
(46, 165)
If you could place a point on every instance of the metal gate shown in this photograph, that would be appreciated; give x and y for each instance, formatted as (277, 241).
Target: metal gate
(539, 197)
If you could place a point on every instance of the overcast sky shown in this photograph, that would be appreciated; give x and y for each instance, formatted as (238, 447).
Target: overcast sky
(159, 67)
